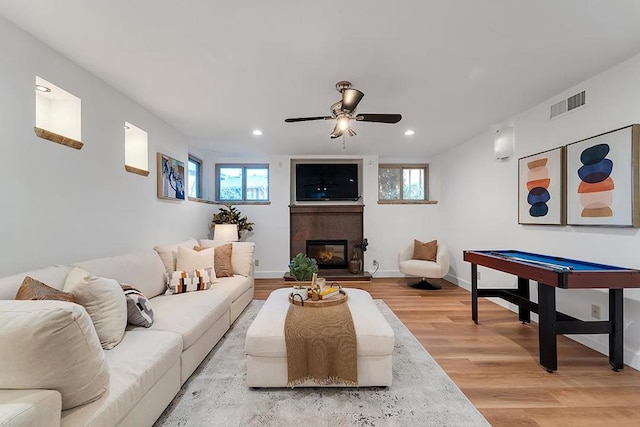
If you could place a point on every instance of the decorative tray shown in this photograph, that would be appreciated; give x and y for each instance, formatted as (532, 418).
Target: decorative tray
(334, 300)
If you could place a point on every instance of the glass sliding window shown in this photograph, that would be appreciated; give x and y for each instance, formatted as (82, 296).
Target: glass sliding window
(398, 183)
(413, 184)
(242, 183)
(257, 187)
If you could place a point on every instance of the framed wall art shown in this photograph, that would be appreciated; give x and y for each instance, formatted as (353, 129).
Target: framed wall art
(541, 188)
(171, 183)
(602, 179)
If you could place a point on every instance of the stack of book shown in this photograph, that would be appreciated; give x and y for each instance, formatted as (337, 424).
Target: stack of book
(329, 292)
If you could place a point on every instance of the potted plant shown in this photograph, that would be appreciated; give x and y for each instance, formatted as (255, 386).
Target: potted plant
(302, 269)
(228, 214)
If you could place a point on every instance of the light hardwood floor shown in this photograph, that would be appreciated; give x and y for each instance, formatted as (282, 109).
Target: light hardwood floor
(495, 363)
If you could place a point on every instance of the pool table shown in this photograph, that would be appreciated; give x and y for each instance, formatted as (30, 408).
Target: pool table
(556, 272)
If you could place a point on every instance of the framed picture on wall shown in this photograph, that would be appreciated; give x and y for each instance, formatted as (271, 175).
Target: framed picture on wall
(541, 188)
(171, 183)
(602, 179)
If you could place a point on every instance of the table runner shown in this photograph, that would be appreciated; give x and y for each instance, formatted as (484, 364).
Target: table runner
(321, 345)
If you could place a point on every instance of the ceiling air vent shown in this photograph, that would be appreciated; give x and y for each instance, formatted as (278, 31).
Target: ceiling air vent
(571, 103)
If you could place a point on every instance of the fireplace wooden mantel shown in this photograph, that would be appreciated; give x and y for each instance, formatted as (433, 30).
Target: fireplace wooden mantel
(325, 222)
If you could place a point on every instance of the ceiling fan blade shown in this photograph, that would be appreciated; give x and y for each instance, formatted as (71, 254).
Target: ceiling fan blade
(379, 118)
(306, 119)
(350, 99)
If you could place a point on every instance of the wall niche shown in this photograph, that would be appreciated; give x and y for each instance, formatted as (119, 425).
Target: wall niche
(58, 115)
(136, 151)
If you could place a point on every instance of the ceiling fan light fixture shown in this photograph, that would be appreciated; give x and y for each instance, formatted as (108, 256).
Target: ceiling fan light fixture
(343, 123)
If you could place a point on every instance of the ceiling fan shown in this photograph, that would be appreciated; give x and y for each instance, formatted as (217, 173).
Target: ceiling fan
(345, 110)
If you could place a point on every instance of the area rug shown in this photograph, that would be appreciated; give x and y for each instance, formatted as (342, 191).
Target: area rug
(421, 395)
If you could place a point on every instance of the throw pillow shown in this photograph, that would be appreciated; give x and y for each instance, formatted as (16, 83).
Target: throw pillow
(222, 260)
(139, 311)
(241, 255)
(32, 289)
(104, 301)
(425, 251)
(169, 253)
(190, 259)
(179, 282)
(52, 345)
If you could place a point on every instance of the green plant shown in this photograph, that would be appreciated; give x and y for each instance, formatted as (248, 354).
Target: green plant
(302, 267)
(228, 214)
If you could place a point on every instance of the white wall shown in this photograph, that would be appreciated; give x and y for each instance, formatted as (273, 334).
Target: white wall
(63, 205)
(479, 200)
(388, 228)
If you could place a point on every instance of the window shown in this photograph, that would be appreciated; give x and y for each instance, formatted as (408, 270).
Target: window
(403, 183)
(242, 183)
(194, 180)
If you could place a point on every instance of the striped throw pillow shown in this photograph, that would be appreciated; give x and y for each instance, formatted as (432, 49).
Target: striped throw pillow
(139, 311)
(179, 282)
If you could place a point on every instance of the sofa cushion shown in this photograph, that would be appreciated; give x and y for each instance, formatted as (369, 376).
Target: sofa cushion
(52, 276)
(53, 345)
(142, 270)
(33, 408)
(32, 289)
(135, 366)
(241, 255)
(233, 286)
(169, 253)
(139, 311)
(190, 314)
(104, 301)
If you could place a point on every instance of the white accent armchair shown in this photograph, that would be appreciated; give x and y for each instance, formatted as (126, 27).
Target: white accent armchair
(426, 269)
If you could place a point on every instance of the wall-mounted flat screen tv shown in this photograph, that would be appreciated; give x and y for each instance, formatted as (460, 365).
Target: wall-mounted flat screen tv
(326, 181)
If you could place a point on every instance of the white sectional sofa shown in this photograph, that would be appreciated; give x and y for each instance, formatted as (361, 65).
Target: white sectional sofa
(148, 367)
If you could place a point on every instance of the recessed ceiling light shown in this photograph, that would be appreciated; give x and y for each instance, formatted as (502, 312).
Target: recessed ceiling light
(257, 132)
(409, 132)
(42, 88)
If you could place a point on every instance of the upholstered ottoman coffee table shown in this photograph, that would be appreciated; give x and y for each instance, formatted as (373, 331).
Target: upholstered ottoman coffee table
(266, 351)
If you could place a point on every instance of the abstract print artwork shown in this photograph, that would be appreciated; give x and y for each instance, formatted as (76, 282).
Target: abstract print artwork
(540, 188)
(170, 178)
(602, 179)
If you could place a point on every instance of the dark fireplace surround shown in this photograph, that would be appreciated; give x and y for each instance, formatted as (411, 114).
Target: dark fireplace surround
(324, 223)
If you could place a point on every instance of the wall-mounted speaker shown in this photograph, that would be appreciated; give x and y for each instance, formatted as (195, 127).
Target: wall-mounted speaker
(503, 143)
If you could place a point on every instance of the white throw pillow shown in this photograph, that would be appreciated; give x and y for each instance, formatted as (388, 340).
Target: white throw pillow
(104, 301)
(51, 345)
(190, 259)
(169, 253)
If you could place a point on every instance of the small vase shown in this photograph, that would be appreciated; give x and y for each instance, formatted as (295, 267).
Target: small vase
(355, 263)
(302, 289)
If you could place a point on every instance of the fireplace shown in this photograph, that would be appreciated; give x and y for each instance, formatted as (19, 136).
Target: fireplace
(328, 253)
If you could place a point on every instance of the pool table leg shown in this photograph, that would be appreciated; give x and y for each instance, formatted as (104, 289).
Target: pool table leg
(547, 327)
(474, 293)
(524, 315)
(616, 339)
